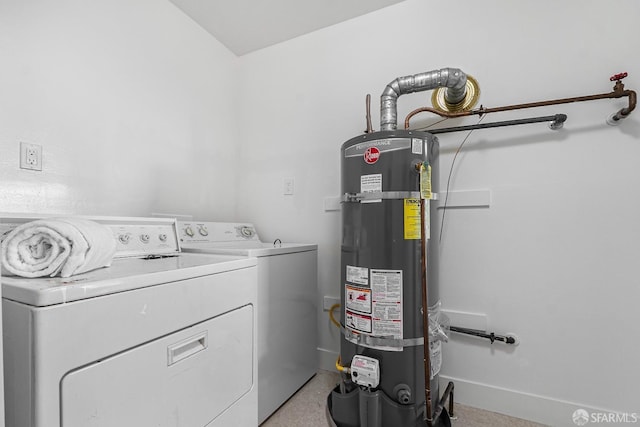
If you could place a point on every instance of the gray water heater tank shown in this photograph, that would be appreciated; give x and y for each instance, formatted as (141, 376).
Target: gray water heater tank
(381, 280)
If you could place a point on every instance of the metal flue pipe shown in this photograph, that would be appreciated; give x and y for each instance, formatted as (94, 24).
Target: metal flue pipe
(453, 79)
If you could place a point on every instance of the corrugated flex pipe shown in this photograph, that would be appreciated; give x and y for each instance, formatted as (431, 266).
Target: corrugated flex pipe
(453, 79)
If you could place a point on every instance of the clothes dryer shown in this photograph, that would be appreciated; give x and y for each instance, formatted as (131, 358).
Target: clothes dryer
(287, 304)
(160, 338)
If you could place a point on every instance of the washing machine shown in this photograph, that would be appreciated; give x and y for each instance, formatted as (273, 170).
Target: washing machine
(159, 338)
(287, 298)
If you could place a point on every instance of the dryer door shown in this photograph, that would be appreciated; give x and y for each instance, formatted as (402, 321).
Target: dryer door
(187, 378)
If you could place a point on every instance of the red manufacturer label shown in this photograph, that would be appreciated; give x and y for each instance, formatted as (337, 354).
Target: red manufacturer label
(371, 155)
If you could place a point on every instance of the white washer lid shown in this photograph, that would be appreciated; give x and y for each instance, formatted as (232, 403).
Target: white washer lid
(232, 238)
(252, 249)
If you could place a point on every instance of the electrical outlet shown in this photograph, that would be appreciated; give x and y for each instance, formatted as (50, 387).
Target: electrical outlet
(30, 156)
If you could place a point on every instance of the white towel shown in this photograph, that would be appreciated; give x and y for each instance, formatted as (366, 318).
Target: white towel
(68, 246)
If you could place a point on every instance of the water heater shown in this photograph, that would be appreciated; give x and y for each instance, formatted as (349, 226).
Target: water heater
(389, 271)
(381, 276)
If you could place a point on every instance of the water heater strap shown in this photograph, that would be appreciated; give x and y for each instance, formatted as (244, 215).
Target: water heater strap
(377, 195)
(374, 342)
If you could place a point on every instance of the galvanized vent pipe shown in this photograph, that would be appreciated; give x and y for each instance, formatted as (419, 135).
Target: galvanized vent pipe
(453, 79)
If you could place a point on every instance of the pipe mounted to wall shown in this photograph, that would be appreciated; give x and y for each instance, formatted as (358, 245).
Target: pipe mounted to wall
(425, 310)
(555, 122)
(618, 92)
(368, 114)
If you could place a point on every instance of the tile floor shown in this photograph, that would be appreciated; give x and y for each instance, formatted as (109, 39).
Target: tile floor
(307, 408)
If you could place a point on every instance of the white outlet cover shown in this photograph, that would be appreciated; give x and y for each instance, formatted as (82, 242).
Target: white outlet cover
(30, 156)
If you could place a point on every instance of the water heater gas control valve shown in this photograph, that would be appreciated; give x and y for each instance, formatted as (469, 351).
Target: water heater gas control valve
(365, 371)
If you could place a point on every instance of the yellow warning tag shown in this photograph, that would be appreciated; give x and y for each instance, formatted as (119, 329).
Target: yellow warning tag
(411, 219)
(425, 182)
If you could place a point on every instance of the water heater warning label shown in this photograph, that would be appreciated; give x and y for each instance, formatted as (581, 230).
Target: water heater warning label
(358, 299)
(386, 286)
(358, 322)
(412, 222)
(425, 182)
(416, 146)
(375, 311)
(371, 183)
(358, 275)
(411, 219)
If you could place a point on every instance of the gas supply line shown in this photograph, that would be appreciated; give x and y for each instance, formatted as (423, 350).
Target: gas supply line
(339, 365)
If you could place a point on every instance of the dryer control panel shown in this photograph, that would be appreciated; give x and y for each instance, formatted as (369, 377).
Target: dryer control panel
(145, 238)
(134, 236)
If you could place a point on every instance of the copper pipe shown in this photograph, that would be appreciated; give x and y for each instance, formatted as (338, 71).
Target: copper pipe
(368, 106)
(618, 92)
(425, 311)
(425, 316)
(632, 103)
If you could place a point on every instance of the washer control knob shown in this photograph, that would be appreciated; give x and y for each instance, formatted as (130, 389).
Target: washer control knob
(144, 238)
(124, 238)
(189, 231)
(202, 229)
(247, 232)
(162, 237)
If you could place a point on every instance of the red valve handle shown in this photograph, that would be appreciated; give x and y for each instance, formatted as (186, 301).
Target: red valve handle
(619, 76)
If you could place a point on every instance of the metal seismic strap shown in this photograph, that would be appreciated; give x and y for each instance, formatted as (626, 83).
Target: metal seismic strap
(372, 341)
(382, 195)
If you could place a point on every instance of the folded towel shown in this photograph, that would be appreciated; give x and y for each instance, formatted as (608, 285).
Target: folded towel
(46, 247)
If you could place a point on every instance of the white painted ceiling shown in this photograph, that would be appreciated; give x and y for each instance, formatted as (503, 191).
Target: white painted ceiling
(244, 26)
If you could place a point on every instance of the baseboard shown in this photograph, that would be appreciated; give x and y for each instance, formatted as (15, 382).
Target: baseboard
(540, 409)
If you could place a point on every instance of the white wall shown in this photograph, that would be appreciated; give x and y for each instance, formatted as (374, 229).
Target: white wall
(131, 102)
(2, 424)
(136, 110)
(554, 257)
